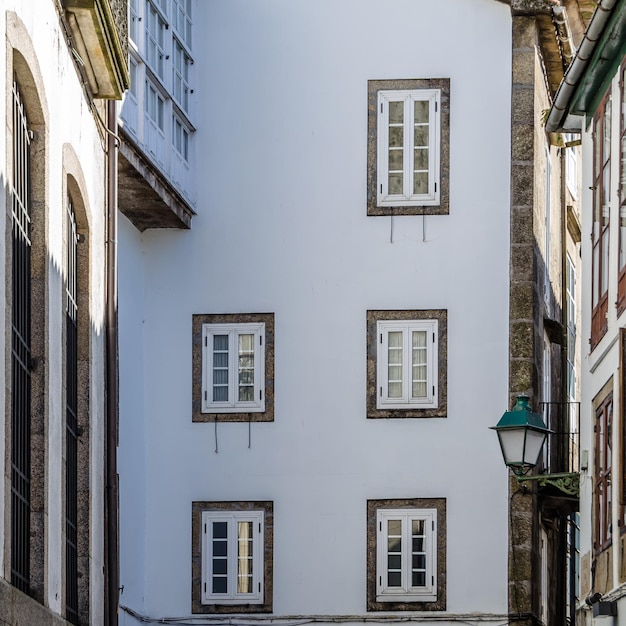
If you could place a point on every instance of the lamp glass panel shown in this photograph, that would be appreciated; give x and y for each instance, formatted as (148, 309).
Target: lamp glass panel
(512, 444)
(534, 443)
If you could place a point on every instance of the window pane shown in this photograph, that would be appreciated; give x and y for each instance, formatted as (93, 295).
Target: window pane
(421, 111)
(219, 548)
(419, 561)
(244, 557)
(396, 183)
(394, 368)
(421, 159)
(220, 557)
(418, 362)
(394, 561)
(394, 579)
(396, 160)
(418, 544)
(418, 579)
(220, 368)
(396, 112)
(396, 136)
(246, 367)
(220, 530)
(417, 527)
(420, 136)
(420, 183)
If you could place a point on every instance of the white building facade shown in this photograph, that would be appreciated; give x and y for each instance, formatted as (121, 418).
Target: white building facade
(308, 372)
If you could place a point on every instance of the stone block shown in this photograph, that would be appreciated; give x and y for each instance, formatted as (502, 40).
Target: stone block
(522, 179)
(522, 142)
(521, 340)
(521, 300)
(522, 227)
(521, 374)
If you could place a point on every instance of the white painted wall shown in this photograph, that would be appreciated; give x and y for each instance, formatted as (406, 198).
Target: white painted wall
(69, 122)
(282, 227)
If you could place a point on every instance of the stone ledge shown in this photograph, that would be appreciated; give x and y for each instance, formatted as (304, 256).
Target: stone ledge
(18, 609)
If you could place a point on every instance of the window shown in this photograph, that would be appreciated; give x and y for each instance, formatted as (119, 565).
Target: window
(182, 20)
(406, 554)
(233, 367)
(601, 211)
(154, 107)
(407, 359)
(181, 76)
(621, 285)
(21, 356)
(233, 364)
(571, 163)
(570, 303)
(603, 462)
(155, 41)
(406, 368)
(71, 419)
(408, 147)
(547, 285)
(133, 23)
(180, 138)
(232, 557)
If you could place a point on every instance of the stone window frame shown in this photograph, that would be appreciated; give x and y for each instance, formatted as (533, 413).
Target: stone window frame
(373, 89)
(410, 411)
(198, 320)
(200, 507)
(419, 504)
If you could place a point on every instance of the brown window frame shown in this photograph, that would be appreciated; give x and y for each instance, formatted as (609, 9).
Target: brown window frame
(601, 223)
(621, 257)
(603, 429)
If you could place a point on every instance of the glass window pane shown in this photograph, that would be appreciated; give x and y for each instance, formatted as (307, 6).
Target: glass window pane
(396, 112)
(220, 566)
(421, 159)
(220, 530)
(417, 527)
(420, 183)
(419, 561)
(419, 579)
(219, 547)
(394, 579)
(396, 136)
(396, 160)
(396, 183)
(421, 111)
(420, 136)
(394, 561)
(418, 544)
(220, 584)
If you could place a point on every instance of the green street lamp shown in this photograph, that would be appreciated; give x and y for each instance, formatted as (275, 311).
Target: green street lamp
(522, 435)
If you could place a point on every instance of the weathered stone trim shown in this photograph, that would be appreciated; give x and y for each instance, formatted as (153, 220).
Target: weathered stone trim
(76, 189)
(407, 503)
(373, 87)
(197, 509)
(441, 315)
(233, 318)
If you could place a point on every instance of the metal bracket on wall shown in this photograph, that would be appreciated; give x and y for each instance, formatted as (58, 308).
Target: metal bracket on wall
(568, 483)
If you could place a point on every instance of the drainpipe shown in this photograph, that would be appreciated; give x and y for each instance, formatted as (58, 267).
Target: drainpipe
(558, 113)
(111, 439)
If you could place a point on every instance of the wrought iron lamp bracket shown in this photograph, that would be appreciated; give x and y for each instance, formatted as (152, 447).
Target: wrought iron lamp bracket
(568, 483)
